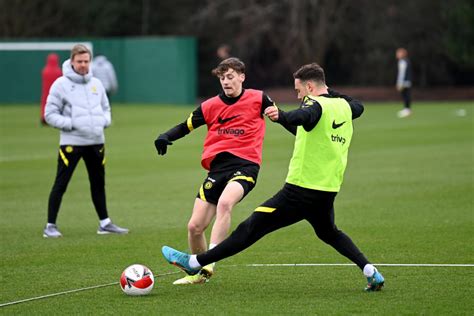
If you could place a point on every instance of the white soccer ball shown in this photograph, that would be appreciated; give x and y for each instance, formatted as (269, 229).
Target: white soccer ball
(137, 279)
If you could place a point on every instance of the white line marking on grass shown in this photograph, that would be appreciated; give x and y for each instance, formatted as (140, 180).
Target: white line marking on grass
(72, 291)
(25, 158)
(57, 294)
(252, 265)
(352, 264)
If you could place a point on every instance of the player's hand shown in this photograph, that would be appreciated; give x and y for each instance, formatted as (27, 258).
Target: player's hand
(161, 144)
(272, 113)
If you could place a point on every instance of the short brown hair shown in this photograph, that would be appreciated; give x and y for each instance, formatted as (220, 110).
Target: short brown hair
(79, 49)
(229, 63)
(312, 72)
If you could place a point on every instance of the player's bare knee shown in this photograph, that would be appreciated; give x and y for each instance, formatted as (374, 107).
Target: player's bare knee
(224, 207)
(196, 229)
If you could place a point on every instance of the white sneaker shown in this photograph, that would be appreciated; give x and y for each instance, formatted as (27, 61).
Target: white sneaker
(111, 228)
(51, 231)
(404, 113)
(202, 277)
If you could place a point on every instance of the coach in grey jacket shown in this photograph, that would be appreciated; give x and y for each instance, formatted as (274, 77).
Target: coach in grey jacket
(105, 72)
(78, 105)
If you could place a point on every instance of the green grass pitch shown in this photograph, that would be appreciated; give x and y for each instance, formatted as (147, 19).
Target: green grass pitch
(407, 198)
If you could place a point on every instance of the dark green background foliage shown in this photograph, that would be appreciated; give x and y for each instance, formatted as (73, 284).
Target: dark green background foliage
(354, 40)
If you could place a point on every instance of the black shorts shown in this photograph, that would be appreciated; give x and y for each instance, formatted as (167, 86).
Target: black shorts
(224, 169)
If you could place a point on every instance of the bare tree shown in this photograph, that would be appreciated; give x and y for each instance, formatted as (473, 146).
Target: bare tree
(292, 31)
(306, 29)
(23, 18)
(353, 39)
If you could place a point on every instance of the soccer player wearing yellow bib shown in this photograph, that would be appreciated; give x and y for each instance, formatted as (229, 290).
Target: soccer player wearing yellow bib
(323, 135)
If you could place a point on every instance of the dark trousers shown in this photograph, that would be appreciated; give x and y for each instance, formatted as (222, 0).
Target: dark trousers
(406, 96)
(290, 205)
(68, 158)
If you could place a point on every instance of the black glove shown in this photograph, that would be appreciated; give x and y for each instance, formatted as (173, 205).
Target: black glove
(161, 144)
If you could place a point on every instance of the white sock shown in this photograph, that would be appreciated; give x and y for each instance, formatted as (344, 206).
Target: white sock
(49, 225)
(369, 270)
(105, 222)
(193, 263)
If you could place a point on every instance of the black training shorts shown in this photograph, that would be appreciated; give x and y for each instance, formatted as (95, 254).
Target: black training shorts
(227, 170)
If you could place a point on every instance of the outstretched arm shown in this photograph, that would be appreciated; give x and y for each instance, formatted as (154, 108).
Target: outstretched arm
(310, 112)
(195, 119)
(267, 103)
(307, 115)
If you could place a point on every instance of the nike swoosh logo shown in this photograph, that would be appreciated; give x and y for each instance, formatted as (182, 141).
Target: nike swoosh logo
(222, 121)
(335, 125)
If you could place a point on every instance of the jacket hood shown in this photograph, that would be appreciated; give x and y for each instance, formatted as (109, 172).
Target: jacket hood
(52, 60)
(74, 76)
(100, 59)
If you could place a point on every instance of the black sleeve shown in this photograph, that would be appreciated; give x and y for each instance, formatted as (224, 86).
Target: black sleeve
(290, 128)
(357, 107)
(307, 115)
(266, 102)
(195, 119)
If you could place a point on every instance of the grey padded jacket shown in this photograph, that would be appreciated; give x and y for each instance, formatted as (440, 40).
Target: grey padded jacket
(78, 106)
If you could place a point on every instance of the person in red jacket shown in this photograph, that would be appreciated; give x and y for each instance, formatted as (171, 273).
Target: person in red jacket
(232, 154)
(49, 74)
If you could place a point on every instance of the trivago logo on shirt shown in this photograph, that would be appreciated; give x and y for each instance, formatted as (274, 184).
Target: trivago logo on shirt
(338, 139)
(231, 131)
